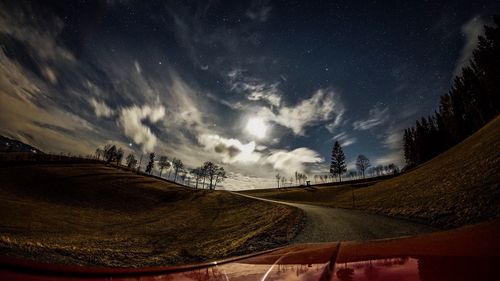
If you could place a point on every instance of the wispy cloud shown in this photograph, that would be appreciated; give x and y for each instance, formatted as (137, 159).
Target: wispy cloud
(470, 31)
(322, 106)
(253, 88)
(288, 162)
(394, 157)
(101, 108)
(131, 120)
(260, 13)
(344, 139)
(376, 117)
(230, 150)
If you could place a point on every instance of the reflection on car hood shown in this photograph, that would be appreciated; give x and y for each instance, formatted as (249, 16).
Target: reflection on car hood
(470, 253)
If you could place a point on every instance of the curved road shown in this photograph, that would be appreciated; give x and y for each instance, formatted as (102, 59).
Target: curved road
(326, 224)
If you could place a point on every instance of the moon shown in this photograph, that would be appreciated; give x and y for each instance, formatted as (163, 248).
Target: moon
(256, 127)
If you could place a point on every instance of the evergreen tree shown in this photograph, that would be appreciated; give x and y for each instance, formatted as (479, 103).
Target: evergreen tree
(338, 166)
(472, 101)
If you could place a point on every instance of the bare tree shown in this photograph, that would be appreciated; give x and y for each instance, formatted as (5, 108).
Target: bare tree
(198, 174)
(110, 153)
(210, 171)
(163, 163)
(278, 178)
(131, 161)
(151, 163)
(98, 153)
(283, 181)
(183, 175)
(204, 174)
(178, 166)
(119, 156)
(362, 163)
(220, 175)
(393, 169)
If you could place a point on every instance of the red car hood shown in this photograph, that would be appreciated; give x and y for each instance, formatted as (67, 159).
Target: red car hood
(471, 253)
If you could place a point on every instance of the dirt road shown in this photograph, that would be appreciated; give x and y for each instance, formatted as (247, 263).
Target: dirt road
(326, 224)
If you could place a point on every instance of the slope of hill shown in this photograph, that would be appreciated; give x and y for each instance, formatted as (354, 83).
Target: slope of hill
(10, 145)
(93, 214)
(458, 187)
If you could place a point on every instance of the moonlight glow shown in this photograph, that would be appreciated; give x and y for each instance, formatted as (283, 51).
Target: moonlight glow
(256, 127)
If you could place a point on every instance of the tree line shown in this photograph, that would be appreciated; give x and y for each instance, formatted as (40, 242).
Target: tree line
(338, 168)
(472, 101)
(338, 165)
(209, 172)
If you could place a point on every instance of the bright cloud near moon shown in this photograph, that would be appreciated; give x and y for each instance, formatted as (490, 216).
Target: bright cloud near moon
(256, 127)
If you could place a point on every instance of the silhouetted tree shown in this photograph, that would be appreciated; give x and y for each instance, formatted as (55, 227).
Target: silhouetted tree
(98, 153)
(163, 163)
(362, 163)
(198, 174)
(178, 166)
(183, 175)
(151, 163)
(210, 170)
(278, 179)
(110, 153)
(131, 161)
(338, 166)
(220, 175)
(119, 156)
(472, 101)
(204, 173)
(393, 169)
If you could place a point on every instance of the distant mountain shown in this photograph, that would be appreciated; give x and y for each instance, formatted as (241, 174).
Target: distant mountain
(10, 145)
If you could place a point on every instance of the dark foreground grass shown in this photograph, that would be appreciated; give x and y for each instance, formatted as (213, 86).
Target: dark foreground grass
(93, 214)
(459, 187)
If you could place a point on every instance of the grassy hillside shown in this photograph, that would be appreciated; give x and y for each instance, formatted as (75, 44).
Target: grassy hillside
(93, 214)
(459, 187)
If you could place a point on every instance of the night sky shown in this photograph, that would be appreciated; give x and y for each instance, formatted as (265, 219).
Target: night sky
(259, 87)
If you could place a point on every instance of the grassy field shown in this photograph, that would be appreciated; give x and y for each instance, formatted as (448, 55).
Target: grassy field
(93, 214)
(459, 187)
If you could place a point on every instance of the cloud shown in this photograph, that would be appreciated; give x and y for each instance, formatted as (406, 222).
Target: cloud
(131, 119)
(255, 89)
(344, 139)
(376, 117)
(40, 42)
(322, 106)
(230, 150)
(260, 14)
(394, 157)
(394, 140)
(137, 67)
(470, 30)
(268, 93)
(100, 108)
(288, 162)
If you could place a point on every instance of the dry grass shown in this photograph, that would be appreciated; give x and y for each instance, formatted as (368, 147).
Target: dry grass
(459, 187)
(92, 214)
